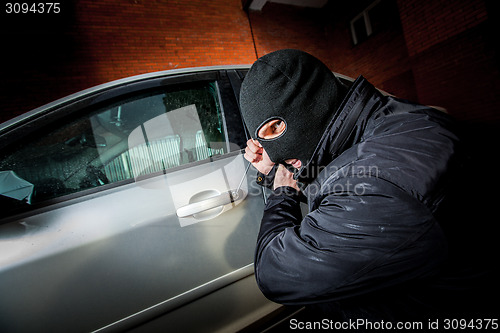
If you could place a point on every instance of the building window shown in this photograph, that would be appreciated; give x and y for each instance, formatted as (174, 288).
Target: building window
(364, 24)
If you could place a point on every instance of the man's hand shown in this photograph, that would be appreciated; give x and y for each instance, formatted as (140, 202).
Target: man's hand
(283, 177)
(255, 154)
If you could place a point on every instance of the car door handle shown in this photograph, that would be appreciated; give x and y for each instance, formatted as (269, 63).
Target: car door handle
(213, 202)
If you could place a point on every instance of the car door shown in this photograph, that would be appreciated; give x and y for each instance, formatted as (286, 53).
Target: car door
(129, 203)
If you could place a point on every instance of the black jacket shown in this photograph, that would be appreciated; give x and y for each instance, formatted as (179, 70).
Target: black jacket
(371, 226)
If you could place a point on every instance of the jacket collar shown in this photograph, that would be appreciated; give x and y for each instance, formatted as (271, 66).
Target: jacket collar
(345, 129)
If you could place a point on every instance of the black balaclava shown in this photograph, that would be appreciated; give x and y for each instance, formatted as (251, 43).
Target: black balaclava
(300, 90)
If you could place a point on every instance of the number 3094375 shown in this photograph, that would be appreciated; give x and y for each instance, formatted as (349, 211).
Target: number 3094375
(33, 8)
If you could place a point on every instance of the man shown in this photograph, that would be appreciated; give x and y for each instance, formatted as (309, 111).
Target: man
(373, 170)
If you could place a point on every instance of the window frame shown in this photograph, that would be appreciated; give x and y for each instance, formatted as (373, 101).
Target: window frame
(81, 104)
(365, 15)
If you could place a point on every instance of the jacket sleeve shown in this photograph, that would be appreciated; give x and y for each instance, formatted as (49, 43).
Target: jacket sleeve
(364, 235)
(266, 180)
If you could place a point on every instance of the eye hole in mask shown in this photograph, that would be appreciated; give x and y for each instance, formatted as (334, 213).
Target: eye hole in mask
(272, 129)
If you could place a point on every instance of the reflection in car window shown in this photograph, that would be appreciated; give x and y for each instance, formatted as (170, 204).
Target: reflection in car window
(144, 134)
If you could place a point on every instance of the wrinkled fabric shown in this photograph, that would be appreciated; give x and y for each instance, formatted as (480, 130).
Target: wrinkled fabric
(371, 227)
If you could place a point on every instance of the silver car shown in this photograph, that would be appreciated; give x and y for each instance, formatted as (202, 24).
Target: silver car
(129, 206)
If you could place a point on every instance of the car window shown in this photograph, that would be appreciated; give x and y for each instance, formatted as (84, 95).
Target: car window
(136, 136)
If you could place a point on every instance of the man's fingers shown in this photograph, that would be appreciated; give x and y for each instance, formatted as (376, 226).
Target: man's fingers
(254, 146)
(252, 157)
(284, 177)
(282, 170)
(253, 153)
(257, 143)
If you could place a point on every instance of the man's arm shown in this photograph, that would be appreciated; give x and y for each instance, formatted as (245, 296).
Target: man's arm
(353, 243)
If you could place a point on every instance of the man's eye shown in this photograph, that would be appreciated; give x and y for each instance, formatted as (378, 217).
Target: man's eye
(272, 129)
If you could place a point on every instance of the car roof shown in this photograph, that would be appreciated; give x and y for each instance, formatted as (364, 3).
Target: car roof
(115, 83)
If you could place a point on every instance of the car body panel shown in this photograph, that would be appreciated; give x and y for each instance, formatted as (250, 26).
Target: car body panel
(216, 312)
(118, 255)
(80, 257)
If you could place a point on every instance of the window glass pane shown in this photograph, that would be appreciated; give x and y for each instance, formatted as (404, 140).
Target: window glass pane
(377, 17)
(360, 29)
(141, 135)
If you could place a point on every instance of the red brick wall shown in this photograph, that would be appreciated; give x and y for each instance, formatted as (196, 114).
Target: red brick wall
(430, 22)
(99, 41)
(125, 38)
(453, 57)
(382, 59)
(280, 26)
(436, 52)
